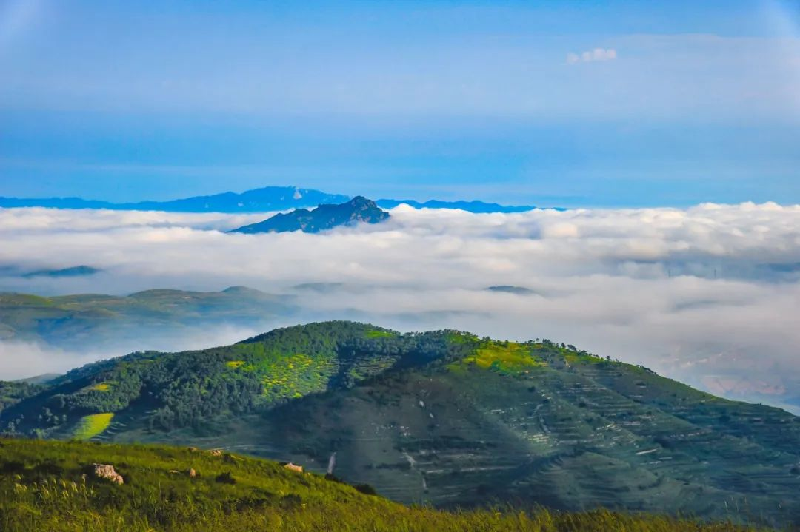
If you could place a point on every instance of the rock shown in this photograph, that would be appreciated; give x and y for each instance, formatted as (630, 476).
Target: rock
(192, 473)
(215, 452)
(294, 467)
(108, 472)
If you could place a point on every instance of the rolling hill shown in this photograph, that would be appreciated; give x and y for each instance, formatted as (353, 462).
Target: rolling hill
(97, 322)
(444, 418)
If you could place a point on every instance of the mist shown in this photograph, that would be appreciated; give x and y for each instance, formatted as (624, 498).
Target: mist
(26, 359)
(707, 295)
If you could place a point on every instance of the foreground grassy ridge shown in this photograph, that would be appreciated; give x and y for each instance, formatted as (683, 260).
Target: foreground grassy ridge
(41, 488)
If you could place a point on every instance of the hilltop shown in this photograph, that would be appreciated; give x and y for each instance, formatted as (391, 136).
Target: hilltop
(53, 486)
(444, 417)
(324, 217)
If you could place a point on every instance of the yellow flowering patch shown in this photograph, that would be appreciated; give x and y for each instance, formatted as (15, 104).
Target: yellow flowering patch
(503, 356)
(93, 425)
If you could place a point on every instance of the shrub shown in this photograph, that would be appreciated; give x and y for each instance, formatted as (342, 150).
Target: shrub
(226, 478)
(366, 489)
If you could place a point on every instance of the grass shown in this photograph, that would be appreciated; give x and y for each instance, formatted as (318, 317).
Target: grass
(42, 487)
(378, 333)
(92, 426)
(291, 376)
(507, 357)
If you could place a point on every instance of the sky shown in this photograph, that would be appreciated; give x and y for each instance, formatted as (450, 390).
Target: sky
(593, 104)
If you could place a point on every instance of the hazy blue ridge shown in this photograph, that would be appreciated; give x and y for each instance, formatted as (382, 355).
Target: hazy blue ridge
(469, 206)
(272, 198)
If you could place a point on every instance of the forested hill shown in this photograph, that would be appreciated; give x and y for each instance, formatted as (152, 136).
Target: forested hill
(173, 390)
(443, 417)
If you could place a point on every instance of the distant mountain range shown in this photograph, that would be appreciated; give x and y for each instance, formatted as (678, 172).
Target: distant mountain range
(324, 217)
(469, 206)
(72, 271)
(258, 200)
(444, 418)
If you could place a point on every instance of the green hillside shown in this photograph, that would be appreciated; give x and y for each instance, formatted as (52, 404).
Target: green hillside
(443, 418)
(53, 486)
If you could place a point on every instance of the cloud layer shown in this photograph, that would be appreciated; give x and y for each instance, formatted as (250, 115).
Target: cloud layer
(707, 294)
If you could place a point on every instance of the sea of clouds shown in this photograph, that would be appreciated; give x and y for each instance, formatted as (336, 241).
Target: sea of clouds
(709, 294)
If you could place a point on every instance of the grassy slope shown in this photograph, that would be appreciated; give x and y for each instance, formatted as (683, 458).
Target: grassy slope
(41, 488)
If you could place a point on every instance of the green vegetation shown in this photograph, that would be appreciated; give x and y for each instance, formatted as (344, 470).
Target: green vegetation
(50, 486)
(443, 418)
(92, 426)
(13, 392)
(380, 333)
(508, 357)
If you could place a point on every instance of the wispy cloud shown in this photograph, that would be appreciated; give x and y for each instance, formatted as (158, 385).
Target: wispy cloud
(590, 56)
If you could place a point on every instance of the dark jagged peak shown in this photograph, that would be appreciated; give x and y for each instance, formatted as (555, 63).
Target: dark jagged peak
(323, 218)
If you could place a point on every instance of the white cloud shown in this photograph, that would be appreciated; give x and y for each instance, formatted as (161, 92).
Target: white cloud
(598, 54)
(705, 292)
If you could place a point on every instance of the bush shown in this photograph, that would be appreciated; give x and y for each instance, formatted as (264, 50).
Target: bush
(226, 478)
(49, 468)
(366, 489)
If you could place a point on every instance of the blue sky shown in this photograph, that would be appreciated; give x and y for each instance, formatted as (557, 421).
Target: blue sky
(551, 103)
